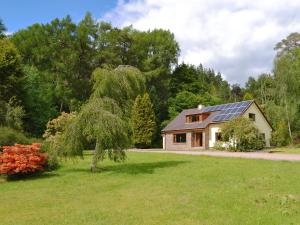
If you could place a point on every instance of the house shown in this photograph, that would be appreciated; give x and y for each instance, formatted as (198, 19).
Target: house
(201, 127)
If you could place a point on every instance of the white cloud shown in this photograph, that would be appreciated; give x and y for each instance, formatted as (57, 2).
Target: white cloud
(235, 37)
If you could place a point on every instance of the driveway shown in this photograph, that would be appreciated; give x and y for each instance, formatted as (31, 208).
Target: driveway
(249, 155)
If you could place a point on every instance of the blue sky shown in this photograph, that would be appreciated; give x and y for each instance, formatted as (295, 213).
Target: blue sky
(18, 14)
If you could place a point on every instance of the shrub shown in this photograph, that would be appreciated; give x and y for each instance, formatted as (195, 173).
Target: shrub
(242, 135)
(22, 159)
(9, 136)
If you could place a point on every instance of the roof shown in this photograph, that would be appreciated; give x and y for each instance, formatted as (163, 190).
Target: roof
(218, 113)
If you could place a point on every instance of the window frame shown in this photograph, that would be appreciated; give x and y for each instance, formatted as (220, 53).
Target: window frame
(175, 140)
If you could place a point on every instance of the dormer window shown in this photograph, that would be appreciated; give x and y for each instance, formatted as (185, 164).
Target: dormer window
(196, 118)
(193, 118)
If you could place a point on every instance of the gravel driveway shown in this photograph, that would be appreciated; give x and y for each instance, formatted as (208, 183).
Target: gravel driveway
(250, 155)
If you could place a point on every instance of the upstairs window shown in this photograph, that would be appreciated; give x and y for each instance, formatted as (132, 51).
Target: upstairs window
(179, 138)
(252, 116)
(196, 117)
(193, 118)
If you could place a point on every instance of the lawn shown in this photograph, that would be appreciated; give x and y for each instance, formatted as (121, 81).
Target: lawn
(160, 189)
(291, 150)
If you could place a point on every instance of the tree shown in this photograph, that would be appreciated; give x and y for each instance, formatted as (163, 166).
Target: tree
(65, 54)
(14, 115)
(287, 78)
(236, 92)
(122, 84)
(185, 100)
(242, 135)
(101, 120)
(38, 100)
(247, 96)
(2, 29)
(10, 71)
(286, 45)
(143, 121)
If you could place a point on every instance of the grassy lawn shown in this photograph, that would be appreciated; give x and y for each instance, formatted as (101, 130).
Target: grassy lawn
(288, 150)
(160, 189)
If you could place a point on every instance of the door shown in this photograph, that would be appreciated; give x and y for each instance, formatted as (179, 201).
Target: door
(197, 139)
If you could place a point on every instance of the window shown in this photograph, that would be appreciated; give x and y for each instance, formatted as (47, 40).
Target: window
(195, 118)
(252, 116)
(179, 138)
(192, 118)
(218, 136)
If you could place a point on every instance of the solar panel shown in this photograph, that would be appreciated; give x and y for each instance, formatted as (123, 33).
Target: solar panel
(218, 107)
(230, 116)
(227, 106)
(217, 117)
(222, 107)
(227, 117)
(245, 103)
(234, 110)
(222, 117)
(228, 111)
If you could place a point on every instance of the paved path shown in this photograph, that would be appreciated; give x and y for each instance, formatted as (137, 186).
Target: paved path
(250, 155)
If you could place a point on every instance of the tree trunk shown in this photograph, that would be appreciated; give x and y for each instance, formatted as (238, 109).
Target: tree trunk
(94, 160)
(288, 121)
(61, 107)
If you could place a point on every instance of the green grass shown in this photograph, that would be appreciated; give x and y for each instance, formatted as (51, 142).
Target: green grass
(288, 150)
(162, 189)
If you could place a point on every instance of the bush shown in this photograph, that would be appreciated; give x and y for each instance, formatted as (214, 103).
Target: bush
(242, 135)
(9, 136)
(22, 159)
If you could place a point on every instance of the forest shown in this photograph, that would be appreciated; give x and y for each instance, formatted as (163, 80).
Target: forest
(62, 67)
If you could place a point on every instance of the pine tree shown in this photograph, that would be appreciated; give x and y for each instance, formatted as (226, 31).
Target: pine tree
(143, 121)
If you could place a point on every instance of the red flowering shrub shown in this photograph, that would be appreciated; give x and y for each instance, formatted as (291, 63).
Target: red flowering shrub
(22, 159)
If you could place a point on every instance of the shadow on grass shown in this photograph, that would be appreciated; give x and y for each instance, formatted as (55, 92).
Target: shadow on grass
(140, 168)
(132, 168)
(36, 176)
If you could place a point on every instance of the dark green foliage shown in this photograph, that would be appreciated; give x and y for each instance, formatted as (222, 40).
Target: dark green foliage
(2, 29)
(242, 135)
(9, 136)
(186, 100)
(199, 80)
(39, 100)
(61, 55)
(236, 93)
(143, 122)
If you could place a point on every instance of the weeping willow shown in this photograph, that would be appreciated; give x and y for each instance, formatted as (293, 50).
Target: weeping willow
(103, 119)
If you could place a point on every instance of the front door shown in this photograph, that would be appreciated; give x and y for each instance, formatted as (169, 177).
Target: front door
(197, 139)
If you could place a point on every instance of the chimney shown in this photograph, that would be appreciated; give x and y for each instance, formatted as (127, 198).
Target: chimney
(200, 107)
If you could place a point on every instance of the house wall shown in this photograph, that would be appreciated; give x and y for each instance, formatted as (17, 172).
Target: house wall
(213, 129)
(260, 122)
(170, 145)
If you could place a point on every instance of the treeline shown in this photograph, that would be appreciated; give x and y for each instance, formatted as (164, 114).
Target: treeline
(47, 69)
(279, 93)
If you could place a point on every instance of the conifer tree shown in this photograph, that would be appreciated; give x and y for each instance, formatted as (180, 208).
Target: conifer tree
(143, 121)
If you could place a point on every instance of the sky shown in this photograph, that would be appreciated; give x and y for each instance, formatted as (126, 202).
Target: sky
(234, 37)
